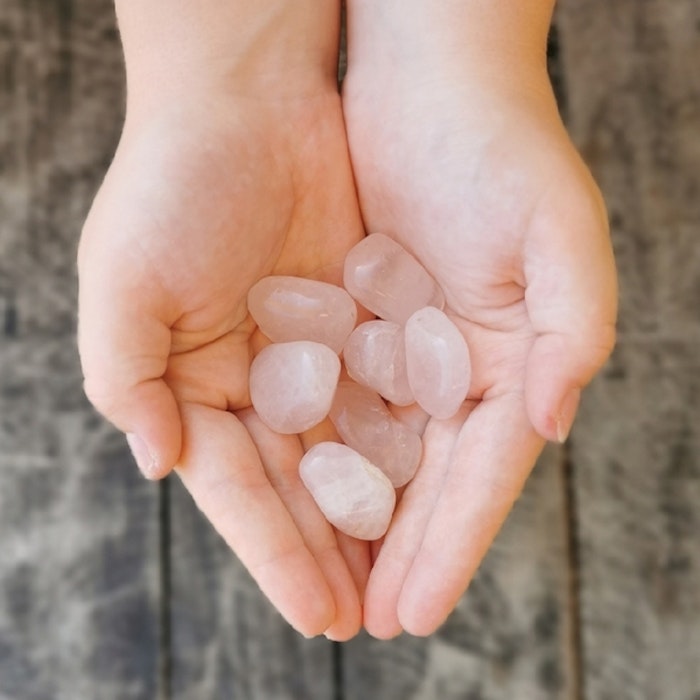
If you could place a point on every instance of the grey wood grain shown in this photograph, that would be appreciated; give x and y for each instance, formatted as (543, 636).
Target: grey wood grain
(79, 594)
(634, 109)
(227, 640)
(80, 578)
(510, 636)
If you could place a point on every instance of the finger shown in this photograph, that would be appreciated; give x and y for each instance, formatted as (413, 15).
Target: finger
(491, 458)
(355, 552)
(357, 555)
(221, 469)
(571, 297)
(124, 342)
(280, 456)
(403, 540)
(412, 416)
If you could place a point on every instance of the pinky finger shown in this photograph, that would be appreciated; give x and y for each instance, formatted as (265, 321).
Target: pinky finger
(221, 469)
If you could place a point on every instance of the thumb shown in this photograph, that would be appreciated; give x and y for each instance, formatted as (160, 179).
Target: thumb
(571, 297)
(124, 343)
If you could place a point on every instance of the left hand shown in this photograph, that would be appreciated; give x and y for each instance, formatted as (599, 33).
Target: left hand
(469, 167)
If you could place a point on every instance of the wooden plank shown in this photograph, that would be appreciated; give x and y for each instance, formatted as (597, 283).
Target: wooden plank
(227, 640)
(637, 456)
(634, 107)
(79, 531)
(510, 634)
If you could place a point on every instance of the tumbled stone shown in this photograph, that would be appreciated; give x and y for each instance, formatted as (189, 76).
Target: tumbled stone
(292, 384)
(349, 490)
(386, 279)
(364, 423)
(294, 308)
(375, 356)
(437, 361)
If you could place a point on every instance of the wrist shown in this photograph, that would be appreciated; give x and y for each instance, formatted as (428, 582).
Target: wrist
(183, 49)
(482, 35)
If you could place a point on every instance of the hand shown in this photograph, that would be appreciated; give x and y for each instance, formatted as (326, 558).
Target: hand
(467, 164)
(204, 197)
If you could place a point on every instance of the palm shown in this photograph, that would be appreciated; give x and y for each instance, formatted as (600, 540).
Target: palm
(473, 184)
(224, 194)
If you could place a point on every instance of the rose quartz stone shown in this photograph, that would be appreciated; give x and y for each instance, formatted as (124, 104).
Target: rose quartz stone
(292, 384)
(375, 356)
(386, 279)
(349, 490)
(364, 423)
(295, 308)
(437, 361)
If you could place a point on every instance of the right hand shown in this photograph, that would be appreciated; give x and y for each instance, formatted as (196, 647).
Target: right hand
(205, 197)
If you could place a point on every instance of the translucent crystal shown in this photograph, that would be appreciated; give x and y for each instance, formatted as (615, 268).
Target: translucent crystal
(364, 423)
(375, 356)
(437, 361)
(349, 490)
(292, 384)
(295, 308)
(388, 280)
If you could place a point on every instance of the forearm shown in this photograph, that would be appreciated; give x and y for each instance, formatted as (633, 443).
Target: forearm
(176, 46)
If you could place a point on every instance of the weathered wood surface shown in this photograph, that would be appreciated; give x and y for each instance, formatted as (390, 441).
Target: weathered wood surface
(227, 640)
(79, 584)
(592, 590)
(633, 91)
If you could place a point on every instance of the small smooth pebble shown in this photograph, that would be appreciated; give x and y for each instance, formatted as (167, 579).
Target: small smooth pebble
(437, 361)
(294, 308)
(292, 384)
(375, 356)
(364, 423)
(349, 490)
(386, 279)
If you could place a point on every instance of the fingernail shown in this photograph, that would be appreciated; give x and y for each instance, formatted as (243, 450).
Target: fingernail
(566, 414)
(144, 459)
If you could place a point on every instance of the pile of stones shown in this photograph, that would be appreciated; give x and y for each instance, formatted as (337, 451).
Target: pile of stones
(412, 353)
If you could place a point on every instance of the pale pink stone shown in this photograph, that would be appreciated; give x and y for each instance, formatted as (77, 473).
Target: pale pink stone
(386, 279)
(292, 384)
(375, 356)
(437, 360)
(349, 490)
(364, 423)
(295, 308)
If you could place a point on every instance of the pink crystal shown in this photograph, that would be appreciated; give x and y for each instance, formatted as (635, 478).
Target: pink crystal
(292, 384)
(386, 279)
(437, 360)
(375, 356)
(364, 423)
(295, 308)
(350, 491)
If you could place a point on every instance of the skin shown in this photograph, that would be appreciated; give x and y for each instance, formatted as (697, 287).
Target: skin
(459, 153)
(244, 178)
(234, 165)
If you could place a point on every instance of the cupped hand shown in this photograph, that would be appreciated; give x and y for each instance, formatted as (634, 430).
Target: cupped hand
(470, 168)
(206, 196)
